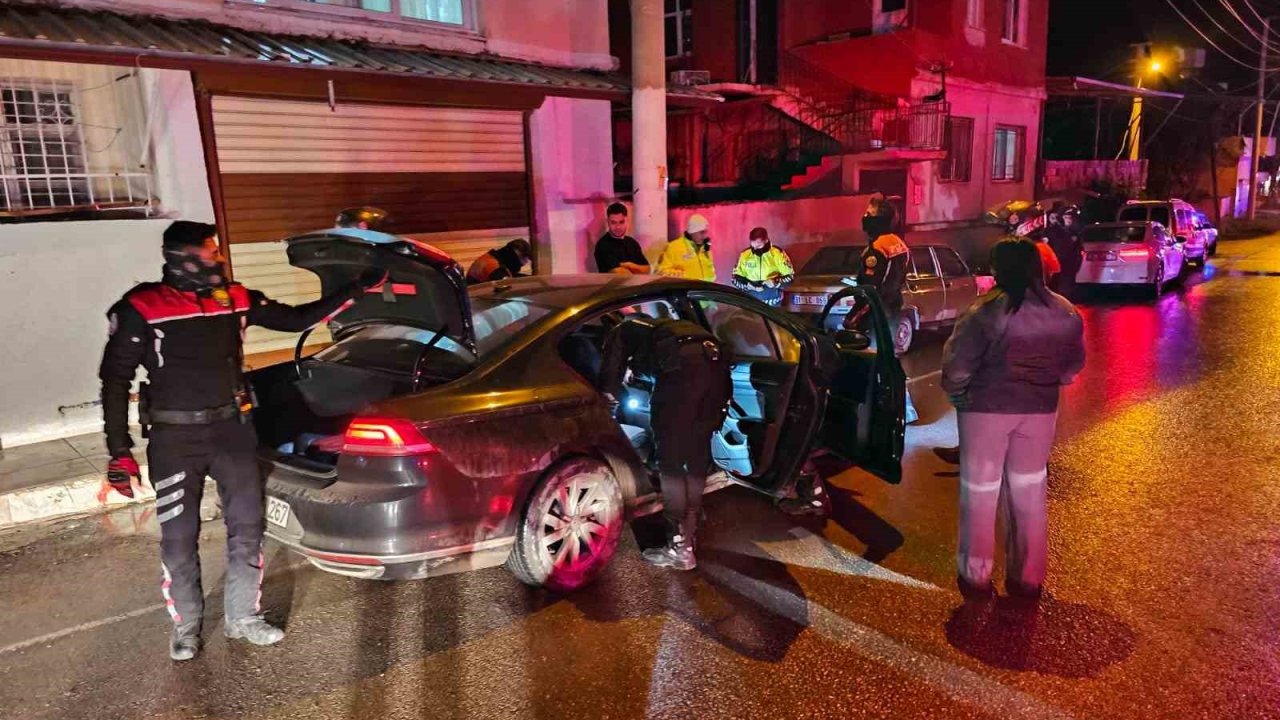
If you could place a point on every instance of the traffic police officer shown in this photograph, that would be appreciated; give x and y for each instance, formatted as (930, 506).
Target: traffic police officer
(763, 269)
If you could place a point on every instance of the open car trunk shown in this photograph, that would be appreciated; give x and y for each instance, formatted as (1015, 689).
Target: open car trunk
(413, 333)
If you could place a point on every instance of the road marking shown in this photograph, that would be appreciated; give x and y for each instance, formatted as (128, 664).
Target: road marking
(94, 624)
(815, 551)
(50, 637)
(926, 376)
(957, 682)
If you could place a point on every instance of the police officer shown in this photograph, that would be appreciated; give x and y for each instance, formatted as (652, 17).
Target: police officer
(689, 256)
(691, 391)
(499, 263)
(361, 218)
(884, 262)
(188, 332)
(763, 269)
(884, 267)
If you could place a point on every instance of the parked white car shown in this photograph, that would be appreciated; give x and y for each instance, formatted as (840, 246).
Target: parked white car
(1131, 253)
(1179, 218)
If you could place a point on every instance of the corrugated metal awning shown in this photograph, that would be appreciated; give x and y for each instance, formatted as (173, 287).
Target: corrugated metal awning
(103, 35)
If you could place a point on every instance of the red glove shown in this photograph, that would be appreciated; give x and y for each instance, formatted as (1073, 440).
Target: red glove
(119, 472)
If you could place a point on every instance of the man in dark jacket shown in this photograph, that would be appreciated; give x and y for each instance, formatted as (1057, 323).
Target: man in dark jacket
(500, 263)
(884, 262)
(616, 251)
(188, 332)
(1063, 234)
(691, 392)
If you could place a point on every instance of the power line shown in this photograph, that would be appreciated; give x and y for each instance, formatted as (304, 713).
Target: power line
(1259, 37)
(1215, 45)
(1223, 28)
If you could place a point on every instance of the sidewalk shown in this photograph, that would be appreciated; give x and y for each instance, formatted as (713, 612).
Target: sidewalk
(61, 477)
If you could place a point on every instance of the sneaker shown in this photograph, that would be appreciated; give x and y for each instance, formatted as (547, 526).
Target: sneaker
(677, 555)
(255, 630)
(184, 643)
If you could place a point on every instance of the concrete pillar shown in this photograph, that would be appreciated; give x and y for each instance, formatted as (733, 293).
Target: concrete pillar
(649, 123)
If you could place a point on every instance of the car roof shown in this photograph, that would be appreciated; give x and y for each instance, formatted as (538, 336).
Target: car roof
(564, 291)
(1170, 201)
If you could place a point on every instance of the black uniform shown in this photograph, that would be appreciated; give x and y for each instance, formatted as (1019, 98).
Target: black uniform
(1065, 243)
(692, 388)
(191, 345)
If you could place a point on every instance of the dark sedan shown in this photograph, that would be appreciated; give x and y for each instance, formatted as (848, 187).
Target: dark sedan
(449, 429)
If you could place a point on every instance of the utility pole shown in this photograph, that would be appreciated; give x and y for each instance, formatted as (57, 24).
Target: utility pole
(649, 123)
(1256, 155)
(1135, 115)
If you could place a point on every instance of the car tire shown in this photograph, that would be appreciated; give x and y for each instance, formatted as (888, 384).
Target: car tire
(1213, 249)
(570, 526)
(903, 335)
(1157, 289)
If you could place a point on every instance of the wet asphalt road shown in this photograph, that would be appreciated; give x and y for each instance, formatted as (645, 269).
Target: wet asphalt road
(1165, 559)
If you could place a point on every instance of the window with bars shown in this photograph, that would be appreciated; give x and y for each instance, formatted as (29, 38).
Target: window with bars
(958, 165)
(678, 17)
(448, 12)
(42, 153)
(1006, 153)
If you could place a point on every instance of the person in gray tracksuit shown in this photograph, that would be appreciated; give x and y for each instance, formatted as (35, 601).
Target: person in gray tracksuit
(1003, 367)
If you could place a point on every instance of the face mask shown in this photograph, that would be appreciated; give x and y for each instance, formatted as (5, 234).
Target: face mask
(189, 272)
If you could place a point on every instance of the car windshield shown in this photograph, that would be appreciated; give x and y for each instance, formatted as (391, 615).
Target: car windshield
(1104, 234)
(834, 261)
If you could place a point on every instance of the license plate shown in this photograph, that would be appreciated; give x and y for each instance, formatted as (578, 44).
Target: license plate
(1100, 255)
(819, 300)
(277, 512)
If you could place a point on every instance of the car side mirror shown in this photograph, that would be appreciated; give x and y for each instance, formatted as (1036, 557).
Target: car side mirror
(852, 340)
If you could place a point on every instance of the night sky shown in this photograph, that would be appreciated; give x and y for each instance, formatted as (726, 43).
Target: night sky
(1097, 43)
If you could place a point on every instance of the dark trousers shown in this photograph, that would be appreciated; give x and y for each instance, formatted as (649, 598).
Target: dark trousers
(180, 457)
(688, 406)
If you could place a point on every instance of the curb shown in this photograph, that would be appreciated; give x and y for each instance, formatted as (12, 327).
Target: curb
(74, 496)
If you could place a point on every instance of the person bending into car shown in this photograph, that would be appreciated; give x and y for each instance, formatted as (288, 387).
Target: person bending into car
(691, 392)
(187, 331)
(500, 263)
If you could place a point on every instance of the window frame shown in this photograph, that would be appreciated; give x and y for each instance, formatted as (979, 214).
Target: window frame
(1019, 171)
(1013, 30)
(393, 16)
(941, 252)
(936, 272)
(697, 300)
(683, 17)
(947, 166)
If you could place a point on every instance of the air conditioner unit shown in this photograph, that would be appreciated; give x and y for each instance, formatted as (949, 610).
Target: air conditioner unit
(690, 77)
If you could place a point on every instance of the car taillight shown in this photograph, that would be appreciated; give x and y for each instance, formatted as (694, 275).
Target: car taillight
(1135, 254)
(384, 436)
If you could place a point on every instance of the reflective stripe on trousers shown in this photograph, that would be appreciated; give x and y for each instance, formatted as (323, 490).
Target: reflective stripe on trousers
(1004, 457)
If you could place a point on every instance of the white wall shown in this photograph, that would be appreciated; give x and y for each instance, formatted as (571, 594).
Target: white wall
(572, 148)
(58, 280)
(798, 226)
(933, 203)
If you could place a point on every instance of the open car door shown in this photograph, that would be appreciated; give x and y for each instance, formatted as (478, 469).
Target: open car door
(866, 412)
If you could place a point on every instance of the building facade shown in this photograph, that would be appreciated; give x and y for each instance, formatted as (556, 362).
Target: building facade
(471, 121)
(936, 101)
